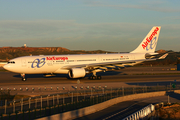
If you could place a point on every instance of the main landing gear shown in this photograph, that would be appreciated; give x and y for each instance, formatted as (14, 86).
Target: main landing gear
(23, 77)
(94, 76)
(98, 77)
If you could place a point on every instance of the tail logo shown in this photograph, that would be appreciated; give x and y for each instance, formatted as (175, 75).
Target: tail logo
(150, 38)
(152, 44)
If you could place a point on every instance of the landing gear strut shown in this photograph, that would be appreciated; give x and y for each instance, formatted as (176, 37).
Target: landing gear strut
(23, 77)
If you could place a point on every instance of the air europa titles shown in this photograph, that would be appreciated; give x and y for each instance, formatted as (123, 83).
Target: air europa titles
(148, 39)
(57, 58)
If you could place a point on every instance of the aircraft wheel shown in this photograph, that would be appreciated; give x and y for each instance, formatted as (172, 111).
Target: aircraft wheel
(98, 77)
(93, 77)
(24, 79)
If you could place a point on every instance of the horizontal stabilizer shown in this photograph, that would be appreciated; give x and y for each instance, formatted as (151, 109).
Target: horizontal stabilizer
(163, 56)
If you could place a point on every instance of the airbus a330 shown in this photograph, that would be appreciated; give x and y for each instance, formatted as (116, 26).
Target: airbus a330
(77, 66)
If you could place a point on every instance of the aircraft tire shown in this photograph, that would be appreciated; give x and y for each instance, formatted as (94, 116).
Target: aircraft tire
(98, 77)
(90, 77)
(24, 79)
(93, 77)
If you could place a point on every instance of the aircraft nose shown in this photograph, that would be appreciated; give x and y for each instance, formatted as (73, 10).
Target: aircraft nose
(6, 67)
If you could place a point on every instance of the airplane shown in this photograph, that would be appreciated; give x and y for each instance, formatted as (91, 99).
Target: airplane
(77, 66)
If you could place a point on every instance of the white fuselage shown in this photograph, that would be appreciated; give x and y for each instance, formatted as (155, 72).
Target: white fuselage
(45, 64)
(77, 66)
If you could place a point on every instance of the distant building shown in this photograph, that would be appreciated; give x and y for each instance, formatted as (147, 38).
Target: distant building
(25, 45)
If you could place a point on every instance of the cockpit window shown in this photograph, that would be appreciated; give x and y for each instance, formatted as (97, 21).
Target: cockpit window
(11, 62)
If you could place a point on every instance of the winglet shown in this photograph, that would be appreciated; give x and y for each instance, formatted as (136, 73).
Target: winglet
(163, 56)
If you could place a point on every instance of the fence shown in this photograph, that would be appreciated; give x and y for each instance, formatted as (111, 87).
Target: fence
(141, 114)
(46, 105)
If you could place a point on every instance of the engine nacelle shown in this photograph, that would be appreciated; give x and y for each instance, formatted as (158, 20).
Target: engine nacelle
(77, 72)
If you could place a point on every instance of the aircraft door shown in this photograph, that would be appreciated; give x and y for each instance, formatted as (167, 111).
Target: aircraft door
(23, 62)
(100, 59)
(50, 62)
(133, 57)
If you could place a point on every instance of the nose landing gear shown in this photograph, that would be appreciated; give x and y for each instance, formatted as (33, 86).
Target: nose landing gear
(23, 77)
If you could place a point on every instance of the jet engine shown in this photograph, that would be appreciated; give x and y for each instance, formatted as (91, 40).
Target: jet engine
(77, 72)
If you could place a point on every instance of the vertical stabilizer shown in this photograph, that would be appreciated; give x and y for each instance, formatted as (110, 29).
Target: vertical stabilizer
(148, 45)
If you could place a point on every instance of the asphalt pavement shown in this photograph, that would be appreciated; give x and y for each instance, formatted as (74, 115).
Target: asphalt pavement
(124, 109)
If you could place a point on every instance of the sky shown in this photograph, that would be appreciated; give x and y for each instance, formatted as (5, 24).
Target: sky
(110, 25)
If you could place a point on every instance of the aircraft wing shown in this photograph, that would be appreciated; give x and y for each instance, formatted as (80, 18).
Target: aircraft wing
(98, 64)
(108, 64)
